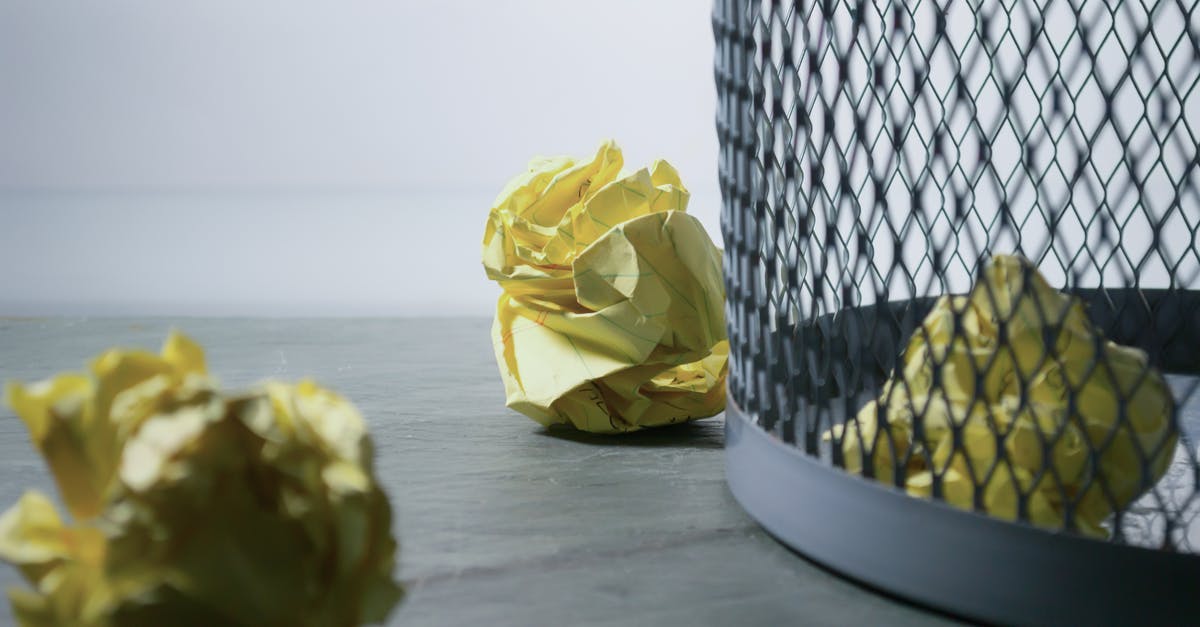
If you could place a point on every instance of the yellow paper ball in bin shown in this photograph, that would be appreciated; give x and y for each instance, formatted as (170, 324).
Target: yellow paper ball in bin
(612, 316)
(191, 507)
(1005, 382)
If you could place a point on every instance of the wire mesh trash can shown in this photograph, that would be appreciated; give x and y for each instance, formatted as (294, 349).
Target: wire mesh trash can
(895, 171)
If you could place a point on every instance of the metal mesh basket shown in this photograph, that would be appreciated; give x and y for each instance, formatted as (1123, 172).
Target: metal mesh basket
(876, 157)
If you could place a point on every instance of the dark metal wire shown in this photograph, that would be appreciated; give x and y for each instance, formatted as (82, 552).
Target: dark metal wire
(875, 154)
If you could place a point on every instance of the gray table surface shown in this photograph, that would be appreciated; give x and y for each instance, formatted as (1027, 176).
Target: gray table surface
(501, 522)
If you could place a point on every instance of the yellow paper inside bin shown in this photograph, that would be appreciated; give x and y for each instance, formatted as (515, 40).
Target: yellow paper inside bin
(1019, 338)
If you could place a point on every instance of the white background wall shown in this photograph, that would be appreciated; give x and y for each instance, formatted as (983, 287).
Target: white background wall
(314, 158)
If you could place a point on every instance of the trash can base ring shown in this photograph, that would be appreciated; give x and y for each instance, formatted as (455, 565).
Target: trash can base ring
(961, 562)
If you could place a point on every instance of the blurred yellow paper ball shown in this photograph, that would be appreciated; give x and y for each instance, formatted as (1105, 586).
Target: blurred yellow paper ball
(192, 507)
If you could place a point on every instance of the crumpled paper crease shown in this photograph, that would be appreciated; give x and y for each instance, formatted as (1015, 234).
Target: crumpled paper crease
(612, 316)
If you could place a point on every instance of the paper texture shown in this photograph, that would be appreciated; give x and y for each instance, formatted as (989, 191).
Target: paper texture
(191, 507)
(612, 316)
(1018, 335)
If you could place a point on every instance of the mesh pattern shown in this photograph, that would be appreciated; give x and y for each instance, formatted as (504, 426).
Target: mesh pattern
(875, 155)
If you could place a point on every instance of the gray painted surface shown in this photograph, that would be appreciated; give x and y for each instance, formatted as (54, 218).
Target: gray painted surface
(501, 521)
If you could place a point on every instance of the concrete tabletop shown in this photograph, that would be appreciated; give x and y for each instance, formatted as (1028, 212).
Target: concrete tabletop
(501, 522)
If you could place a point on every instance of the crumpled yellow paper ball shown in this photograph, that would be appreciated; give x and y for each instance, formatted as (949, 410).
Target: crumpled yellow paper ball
(612, 317)
(1007, 380)
(191, 507)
